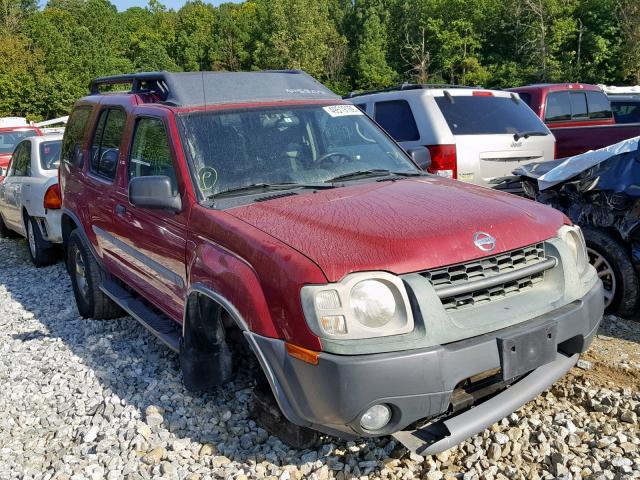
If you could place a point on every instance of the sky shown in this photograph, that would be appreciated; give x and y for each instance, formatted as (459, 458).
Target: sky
(175, 4)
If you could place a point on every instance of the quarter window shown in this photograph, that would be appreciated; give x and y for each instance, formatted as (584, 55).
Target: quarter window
(150, 153)
(71, 152)
(397, 119)
(105, 148)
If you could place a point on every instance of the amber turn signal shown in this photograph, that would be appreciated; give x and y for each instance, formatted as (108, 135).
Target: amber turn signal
(52, 199)
(308, 356)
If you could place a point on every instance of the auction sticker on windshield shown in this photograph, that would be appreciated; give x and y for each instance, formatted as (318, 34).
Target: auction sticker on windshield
(342, 110)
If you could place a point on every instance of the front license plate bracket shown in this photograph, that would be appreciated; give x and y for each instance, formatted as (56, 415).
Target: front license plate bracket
(522, 352)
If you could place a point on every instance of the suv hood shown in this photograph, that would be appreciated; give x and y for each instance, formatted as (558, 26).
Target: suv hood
(400, 226)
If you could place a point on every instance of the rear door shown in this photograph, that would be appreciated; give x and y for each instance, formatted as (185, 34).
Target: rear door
(484, 126)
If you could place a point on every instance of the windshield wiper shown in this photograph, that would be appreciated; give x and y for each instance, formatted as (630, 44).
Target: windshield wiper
(374, 172)
(518, 135)
(266, 187)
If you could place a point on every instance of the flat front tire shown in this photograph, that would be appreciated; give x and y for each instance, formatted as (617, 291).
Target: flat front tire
(86, 278)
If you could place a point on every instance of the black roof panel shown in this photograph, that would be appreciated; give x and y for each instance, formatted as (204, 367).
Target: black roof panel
(211, 88)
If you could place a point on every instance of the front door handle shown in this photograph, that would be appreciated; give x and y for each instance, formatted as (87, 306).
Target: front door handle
(120, 210)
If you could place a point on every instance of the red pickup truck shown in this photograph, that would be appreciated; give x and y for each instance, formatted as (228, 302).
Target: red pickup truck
(579, 116)
(223, 209)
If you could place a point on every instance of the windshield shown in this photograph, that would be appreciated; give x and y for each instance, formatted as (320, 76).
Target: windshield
(50, 154)
(9, 140)
(486, 115)
(281, 145)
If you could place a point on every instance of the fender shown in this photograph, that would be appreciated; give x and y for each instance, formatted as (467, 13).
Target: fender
(232, 282)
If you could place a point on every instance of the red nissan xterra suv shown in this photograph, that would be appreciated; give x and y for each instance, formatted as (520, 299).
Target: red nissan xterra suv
(378, 299)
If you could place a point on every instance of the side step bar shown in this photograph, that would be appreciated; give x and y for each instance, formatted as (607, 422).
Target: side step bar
(162, 327)
(442, 435)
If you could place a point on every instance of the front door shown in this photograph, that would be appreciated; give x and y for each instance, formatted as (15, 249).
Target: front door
(154, 241)
(12, 187)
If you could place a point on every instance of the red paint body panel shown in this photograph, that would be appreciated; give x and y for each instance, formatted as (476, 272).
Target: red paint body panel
(400, 227)
(577, 136)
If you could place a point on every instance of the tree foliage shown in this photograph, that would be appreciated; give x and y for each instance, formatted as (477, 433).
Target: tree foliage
(49, 54)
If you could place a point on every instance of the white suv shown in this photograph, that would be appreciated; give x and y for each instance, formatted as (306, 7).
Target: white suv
(473, 134)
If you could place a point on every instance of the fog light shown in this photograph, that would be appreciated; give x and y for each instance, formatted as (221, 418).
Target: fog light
(376, 417)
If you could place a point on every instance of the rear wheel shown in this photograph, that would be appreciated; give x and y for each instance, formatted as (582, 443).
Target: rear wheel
(619, 279)
(42, 253)
(86, 278)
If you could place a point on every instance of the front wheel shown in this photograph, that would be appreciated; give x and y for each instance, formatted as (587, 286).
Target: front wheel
(611, 260)
(41, 252)
(4, 230)
(86, 278)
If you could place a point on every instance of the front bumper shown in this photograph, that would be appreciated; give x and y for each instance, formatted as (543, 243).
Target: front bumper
(419, 383)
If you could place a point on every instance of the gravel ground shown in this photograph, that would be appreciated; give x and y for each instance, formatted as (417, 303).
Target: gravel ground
(90, 400)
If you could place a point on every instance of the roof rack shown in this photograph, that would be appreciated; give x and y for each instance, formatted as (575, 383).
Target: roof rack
(202, 88)
(408, 86)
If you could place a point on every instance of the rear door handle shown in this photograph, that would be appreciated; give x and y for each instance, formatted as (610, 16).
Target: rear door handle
(120, 209)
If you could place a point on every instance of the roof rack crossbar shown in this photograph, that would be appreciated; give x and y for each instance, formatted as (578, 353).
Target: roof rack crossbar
(140, 83)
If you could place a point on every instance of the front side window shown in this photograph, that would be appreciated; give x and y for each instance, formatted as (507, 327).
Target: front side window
(50, 155)
(396, 118)
(105, 148)
(71, 151)
(293, 145)
(21, 162)
(150, 153)
(9, 140)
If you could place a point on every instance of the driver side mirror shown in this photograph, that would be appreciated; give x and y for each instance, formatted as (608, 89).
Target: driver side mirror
(421, 157)
(154, 192)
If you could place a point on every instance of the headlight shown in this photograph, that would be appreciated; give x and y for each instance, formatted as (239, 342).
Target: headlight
(572, 236)
(363, 305)
(373, 303)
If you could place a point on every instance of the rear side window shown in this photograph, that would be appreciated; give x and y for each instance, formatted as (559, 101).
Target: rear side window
(599, 106)
(526, 98)
(150, 153)
(9, 140)
(486, 115)
(397, 119)
(558, 107)
(626, 112)
(50, 155)
(105, 148)
(578, 105)
(71, 151)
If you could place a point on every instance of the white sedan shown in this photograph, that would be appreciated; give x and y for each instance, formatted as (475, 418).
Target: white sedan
(30, 198)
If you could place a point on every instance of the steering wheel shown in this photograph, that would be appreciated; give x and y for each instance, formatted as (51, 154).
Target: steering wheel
(346, 158)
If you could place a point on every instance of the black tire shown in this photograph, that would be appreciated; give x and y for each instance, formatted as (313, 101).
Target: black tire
(86, 278)
(612, 256)
(4, 230)
(42, 253)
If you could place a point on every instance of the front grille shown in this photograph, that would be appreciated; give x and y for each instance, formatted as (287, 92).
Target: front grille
(484, 273)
